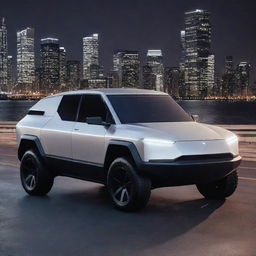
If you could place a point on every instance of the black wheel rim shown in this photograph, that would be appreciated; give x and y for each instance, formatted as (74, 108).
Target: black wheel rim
(121, 186)
(220, 185)
(29, 173)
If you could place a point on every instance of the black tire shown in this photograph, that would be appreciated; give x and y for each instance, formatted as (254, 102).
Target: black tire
(220, 189)
(35, 178)
(128, 190)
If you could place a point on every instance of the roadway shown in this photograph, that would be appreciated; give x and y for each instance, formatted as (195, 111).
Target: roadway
(76, 218)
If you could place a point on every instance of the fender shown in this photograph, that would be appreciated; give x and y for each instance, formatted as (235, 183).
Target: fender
(132, 149)
(30, 139)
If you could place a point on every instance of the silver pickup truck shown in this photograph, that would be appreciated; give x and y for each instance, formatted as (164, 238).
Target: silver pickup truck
(131, 140)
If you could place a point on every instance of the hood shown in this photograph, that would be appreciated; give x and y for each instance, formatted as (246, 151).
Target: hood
(181, 131)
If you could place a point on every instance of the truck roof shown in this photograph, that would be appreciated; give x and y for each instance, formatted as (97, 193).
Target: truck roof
(113, 91)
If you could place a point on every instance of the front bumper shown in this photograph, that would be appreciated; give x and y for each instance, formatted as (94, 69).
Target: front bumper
(178, 173)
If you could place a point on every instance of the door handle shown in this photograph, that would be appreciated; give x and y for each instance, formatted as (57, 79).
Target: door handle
(76, 129)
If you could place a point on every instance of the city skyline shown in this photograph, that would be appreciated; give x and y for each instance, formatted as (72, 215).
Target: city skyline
(101, 51)
(137, 25)
(193, 76)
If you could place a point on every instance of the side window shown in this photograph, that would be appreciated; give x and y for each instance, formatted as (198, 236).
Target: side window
(67, 109)
(93, 106)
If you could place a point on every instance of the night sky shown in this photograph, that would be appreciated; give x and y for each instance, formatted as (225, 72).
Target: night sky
(135, 25)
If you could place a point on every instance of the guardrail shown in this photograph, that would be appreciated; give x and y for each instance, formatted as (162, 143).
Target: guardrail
(7, 126)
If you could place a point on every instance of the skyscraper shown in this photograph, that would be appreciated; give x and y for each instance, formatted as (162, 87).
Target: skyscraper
(10, 74)
(173, 81)
(183, 49)
(97, 79)
(73, 74)
(38, 85)
(117, 66)
(217, 89)
(148, 78)
(3, 56)
(182, 89)
(25, 58)
(229, 85)
(210, 74)
(50, 65)
(112, 79)
(243, 77)
(126, 64)
(229, 65)
(155, 61)
(90, 53)
(96, 71)
(62, 67)
(130, 69)
(197, 51)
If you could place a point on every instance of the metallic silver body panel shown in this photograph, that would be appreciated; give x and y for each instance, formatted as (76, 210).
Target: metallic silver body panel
(56, 137)
(88, 142)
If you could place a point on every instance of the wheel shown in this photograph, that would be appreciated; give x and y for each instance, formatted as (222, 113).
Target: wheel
(35, 178)
(128, 190)
(219, 189)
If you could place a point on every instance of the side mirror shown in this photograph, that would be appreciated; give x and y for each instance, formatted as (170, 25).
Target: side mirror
(195, 118)
(96, 120)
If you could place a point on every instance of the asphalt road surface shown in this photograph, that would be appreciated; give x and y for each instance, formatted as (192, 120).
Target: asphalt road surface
(77, 218)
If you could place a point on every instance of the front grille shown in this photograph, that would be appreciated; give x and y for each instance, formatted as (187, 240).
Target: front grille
(205, 157)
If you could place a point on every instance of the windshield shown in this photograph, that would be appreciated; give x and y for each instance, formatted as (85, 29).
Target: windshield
(147, 109)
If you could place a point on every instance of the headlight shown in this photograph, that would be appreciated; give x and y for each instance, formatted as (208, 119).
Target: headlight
(158, 142)
(156, 149)
(232, 139)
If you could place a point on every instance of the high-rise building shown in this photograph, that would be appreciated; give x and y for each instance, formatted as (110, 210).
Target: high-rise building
(155, 61)
(217, 89)
(50, 65)
(197, 51)
(97, 79)
(183, 49)
(148, 78)
(25, 58)
(62, 67)
(38, 80)
(229, 65)
(3, 56)
(130, 69)
(243, 77)
(112, 79)
(229, 85)
(210, 74)
(173, 81)
(96, 71)
(90, 53)
(126, 64)
(96, 83)
(10, 74)
(73, 74)
(117, 66)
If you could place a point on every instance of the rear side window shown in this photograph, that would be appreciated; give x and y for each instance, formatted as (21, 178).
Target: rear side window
(67, 109)
(92, 106)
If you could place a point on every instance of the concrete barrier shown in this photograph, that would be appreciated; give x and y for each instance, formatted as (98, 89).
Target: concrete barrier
(7, 126)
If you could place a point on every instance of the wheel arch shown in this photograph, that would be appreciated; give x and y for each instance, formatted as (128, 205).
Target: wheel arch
(118, 148)
(28, 142)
